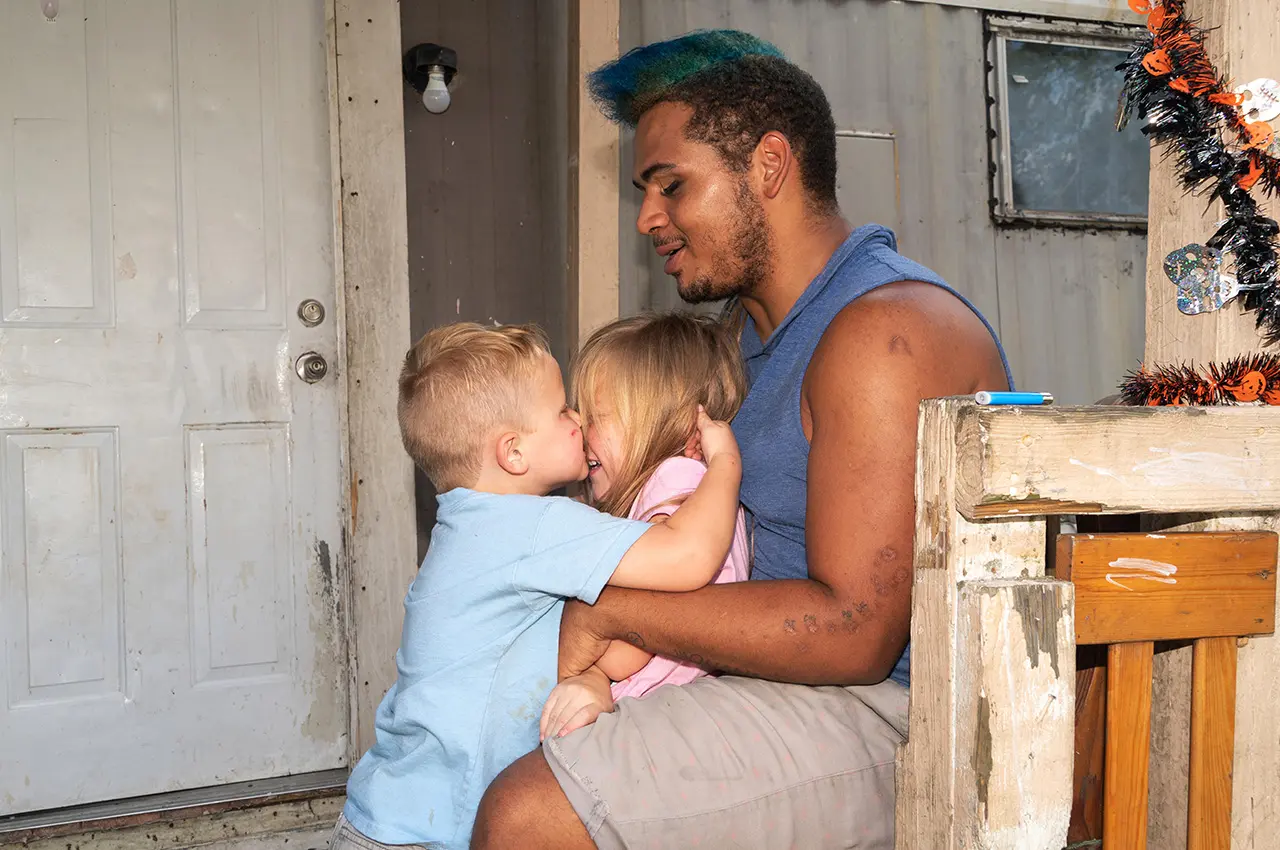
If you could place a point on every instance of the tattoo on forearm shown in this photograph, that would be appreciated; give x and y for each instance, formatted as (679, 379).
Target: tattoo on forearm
(690, 658)
(888, 578)
(634, 639)
(851, 619)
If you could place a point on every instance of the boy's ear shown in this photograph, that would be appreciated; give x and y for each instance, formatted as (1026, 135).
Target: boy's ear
(510, 457)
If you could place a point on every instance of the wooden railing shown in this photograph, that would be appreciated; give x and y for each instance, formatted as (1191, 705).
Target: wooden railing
(988, 761)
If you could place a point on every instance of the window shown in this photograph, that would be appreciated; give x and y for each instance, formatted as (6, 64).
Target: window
(1057, 158)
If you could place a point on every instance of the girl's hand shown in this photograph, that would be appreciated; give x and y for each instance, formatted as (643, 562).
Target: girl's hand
(574, 703)
(715, 439)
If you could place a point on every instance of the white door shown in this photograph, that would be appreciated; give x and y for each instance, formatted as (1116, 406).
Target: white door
(170, 505)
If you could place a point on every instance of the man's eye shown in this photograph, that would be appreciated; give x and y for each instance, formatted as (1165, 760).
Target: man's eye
(670, 188)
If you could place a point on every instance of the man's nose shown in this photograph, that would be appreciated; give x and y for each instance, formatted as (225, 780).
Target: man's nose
(652, 217)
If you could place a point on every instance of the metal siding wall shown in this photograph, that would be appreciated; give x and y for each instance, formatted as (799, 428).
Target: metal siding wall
(1069, 305)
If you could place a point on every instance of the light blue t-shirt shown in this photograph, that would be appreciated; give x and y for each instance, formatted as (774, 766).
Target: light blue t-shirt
(477, 657)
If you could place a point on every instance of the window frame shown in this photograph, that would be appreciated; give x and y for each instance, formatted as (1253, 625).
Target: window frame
(999, 31)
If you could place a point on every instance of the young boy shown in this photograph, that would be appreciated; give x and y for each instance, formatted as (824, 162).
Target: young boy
(483, 412)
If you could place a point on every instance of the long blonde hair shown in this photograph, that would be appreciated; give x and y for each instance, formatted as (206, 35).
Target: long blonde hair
(656, 369)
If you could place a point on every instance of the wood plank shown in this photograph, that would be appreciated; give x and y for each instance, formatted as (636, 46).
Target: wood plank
(1128, 745)
(1090, 745)
(1176, 586)
(366, 96)
(593, 174)
(1115, 460)
(948, 549)
(1213, 726)
(1015, 714)
(926, 781)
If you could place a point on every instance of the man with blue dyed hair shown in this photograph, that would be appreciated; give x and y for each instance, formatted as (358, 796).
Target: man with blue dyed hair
(793, 746)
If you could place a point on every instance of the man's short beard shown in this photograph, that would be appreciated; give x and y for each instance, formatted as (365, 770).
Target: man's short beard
(752, 250)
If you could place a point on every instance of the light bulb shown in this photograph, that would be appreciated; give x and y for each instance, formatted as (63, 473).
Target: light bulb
(50, 9)
(435, 97)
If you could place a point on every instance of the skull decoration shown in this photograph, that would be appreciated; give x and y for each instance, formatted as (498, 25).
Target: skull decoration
(1202, 285)
(1261, 100)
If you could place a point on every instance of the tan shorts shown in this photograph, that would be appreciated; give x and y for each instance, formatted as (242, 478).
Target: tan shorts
(738, 763)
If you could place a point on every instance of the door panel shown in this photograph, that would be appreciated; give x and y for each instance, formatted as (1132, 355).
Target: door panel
(171, 506)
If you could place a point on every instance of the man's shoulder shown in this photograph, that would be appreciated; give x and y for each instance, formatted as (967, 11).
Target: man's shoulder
(906, 318)
(906, 334)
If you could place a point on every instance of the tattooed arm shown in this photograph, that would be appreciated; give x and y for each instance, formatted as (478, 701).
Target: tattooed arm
(847, 623)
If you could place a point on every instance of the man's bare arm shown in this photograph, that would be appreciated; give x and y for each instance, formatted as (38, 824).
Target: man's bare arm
(847, 623)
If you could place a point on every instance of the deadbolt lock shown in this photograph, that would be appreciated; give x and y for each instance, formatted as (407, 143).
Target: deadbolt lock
(311, 312)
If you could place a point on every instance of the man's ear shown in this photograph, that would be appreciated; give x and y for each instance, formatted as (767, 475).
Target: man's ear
(509, 455)
(774, 162)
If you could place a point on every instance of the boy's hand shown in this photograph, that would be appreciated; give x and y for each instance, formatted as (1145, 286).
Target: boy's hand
(715, 439)
(574, 703)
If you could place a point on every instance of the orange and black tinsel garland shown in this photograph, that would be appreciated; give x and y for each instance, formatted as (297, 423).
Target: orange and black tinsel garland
(1170, 80)
(1244, 380)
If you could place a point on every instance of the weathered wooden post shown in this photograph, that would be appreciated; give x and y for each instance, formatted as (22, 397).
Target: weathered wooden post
(1244, 43)
(988, 764)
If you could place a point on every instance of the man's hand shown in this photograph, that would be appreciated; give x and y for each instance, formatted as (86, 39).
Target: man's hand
(574, 703)
(582, 642)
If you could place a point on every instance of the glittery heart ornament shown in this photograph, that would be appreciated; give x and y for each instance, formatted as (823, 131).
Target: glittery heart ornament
(1261, 100)
(1197, 272)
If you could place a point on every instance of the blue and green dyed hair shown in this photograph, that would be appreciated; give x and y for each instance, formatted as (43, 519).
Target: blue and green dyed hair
(739, 88)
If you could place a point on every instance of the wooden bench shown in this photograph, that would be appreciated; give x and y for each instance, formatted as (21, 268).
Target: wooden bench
(988, 762)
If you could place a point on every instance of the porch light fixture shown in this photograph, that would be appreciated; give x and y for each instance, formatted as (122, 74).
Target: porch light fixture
(429, 68)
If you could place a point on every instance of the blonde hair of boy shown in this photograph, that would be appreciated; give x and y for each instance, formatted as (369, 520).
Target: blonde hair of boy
(459, 383)
(656, 369)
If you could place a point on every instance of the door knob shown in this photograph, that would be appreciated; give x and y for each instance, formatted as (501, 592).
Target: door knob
(311, 367)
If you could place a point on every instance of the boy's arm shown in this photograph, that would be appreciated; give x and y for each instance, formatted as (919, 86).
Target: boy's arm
(686, 551)
(622, 659)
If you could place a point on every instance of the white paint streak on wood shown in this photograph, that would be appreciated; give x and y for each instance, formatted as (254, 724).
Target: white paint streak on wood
(1150, 571)
(1175, 467)
(1157, 567)
(1096, 469)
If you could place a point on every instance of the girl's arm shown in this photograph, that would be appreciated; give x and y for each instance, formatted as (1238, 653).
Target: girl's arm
(686, 551)
(622, 659)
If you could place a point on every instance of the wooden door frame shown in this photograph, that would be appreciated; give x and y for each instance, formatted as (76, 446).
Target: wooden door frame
(366, 127)
(371, 266)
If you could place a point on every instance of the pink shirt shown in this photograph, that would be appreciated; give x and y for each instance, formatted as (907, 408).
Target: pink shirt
(675, 478)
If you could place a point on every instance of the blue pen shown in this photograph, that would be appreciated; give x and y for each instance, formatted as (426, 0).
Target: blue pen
(1013, 398)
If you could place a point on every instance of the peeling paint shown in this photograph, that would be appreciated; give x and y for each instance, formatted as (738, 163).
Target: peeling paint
(983, 764)
(325, 563)
(1039, 615)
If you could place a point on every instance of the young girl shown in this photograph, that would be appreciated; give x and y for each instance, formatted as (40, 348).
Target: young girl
(637, 384)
